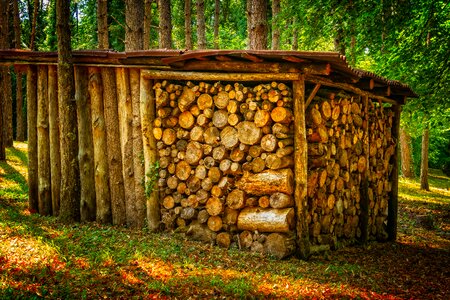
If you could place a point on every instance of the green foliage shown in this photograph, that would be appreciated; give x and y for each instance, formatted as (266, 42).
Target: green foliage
(152, 177)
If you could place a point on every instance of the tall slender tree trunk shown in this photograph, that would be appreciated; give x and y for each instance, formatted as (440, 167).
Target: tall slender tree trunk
(5, 83)
(259, 27)
(187, 24)
(134, 18)
(201, 27)
(32, 138)
(294, 34)
(424, 162)
(275, 24)
(102, 24)
(216, 23)
(406, 154)
(53, 122)
(165, 25)
(70, 172)
(20, 129)
(33, 25)
(3, 13)
(147, 23)
(248, 13)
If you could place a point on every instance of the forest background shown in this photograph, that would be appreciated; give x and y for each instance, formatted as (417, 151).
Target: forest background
(406, 40)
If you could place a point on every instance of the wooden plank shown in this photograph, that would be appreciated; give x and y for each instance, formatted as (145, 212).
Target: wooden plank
(32, 138)
(364, 188)
(237, 66)
(312, 95)
(209, 76)
(147, 106)
(393, 197)
(43, 144)
(300, 168)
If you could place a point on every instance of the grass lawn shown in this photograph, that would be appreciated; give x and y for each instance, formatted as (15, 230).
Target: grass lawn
(43, 258)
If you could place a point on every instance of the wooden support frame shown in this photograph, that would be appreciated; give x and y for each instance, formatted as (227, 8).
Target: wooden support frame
(300, 168)
(364, 188)
(147, 109)
(393, 197)
(32, 138)
(312, 95)
(208, 76)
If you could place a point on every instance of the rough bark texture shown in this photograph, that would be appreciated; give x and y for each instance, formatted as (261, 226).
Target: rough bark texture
(294, 35)
(147, 23)
(70, 183)
(187, 24)
(275, 27)
(32, 138)
(20, 129)
(201, 27)
(134, 16)
(300, 168)
(406, 154)
(424, 161)
(266, 220)
(393, 196)
(88, 206)
(102, 24)
(259, 27)
(101, 170)
(53, 120)
(216, 23)
(33, 25)
(5, 78)
(165, 24)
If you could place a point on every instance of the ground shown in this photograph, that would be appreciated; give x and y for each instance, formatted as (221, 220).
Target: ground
(43, 258)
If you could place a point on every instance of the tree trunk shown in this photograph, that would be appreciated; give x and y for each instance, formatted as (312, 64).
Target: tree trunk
(216, 23)
(406, 154)
(248, 13)
(134, 16)
(32, 138)
(201, 27)
(5, 76)
(70, 183)
(275, 26)
(147, 23)
(102, 24)
(424, 162)
(33, 25)
(259, 27)
(101, 170)
(294, 35)
(53, 120)
(88, 206)
(165, 25)
(187, 24)
(20, 129)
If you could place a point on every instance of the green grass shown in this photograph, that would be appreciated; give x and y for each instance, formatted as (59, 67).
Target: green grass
(41, 257)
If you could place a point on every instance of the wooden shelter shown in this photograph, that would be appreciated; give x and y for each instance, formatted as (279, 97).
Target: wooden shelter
(277, 151)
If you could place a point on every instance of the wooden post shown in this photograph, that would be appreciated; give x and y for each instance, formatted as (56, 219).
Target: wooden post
(32, 138)
(150, 152)
(88, 205)
(138, 150)
(126, 140)
(364, 202)
(113, 141)
(53, 120)
(44, 186)
(300, 167)
(101, 172)
(20, 133)
(393, 197)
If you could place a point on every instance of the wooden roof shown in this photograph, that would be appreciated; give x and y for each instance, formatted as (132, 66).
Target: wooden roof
(325, 67)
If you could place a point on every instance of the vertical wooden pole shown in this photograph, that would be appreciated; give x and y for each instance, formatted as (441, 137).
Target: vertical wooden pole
(150, 154)
(138, 151)
(20, 133)
(113, 141)
(53, 121)
(43, 144)
(32, 138)
(364, 188)
(393, 197)
(126, 140)
(300, 168)
(88, 205)
(101, 171)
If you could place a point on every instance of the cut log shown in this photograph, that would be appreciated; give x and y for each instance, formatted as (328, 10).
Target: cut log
(279, 245)
(183, 170)
(201, 233)
(221, 100)
(202, 216)
(204, 101)
(215, 223)
(194, 153)
(220, 118)
(248, 133)
(258, 165)
(229, 137)
(169, 136)
(267, 182)
(269, 143)
(168, 202)
(223, 239)
(196, 134)
(236, 199)
(281, 200)
(246, 239)
(262, 118)
(281, 115)
(326, 110)
(264, 201)
(266, 219)
(274, 162)
(211, 136)
(230, 216)
(186, 99)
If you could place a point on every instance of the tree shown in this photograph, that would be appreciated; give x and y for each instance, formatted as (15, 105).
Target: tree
(20, 132)
(33, 25)
(275, 26)
(405, 152)
(259, 28)
(5, 83)
(201, 27)
(187, 24)
(147, 23)
(216, 23)
(424, 162)
(165, 25)
(70, 183)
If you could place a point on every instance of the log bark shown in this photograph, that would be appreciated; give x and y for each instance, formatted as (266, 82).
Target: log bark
(101, 170)
(201, 233)
(406, 155)
(280, 245)
(32, 138)
(281, 200)
(53, 120)
(266, 219)
(393, 197)
(43, 145)
(267, 182)
(236, 199)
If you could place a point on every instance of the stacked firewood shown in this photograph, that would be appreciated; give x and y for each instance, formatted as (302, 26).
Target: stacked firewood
(226, 156)
(336, 134)
(381, 150)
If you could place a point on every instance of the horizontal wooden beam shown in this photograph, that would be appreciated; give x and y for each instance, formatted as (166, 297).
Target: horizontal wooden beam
(237, 66)
(348, 87)
(210, 76)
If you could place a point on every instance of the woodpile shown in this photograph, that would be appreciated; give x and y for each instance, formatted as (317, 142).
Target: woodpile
(226, 159)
